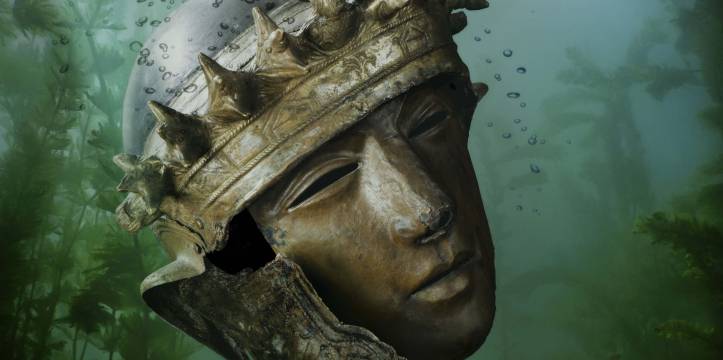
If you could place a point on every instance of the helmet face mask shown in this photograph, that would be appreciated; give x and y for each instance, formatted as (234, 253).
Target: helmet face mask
(349, 150)
(387, 223)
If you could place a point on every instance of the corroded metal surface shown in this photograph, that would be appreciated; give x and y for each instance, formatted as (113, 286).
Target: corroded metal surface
(272, 313)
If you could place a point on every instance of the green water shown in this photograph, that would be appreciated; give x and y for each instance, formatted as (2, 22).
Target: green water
(605, 198)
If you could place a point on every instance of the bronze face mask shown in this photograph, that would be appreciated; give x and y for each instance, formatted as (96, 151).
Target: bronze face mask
(387, 223)
(345, 138)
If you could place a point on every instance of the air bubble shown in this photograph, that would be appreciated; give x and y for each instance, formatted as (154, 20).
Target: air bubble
(513, 95)
(507, 52)
(135, 46)
(142, 21)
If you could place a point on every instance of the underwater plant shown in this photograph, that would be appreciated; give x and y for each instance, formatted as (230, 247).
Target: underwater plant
(693, 230)
(70, 274)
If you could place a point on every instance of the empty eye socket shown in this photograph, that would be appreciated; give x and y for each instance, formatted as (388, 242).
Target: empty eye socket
(323, 182)
(428, 123)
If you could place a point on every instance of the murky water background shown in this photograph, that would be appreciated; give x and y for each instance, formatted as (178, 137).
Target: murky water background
(599, 115)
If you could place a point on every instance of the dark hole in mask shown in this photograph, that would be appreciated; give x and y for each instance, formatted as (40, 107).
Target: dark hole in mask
(324, 181)
(246, 247)
(428, 123)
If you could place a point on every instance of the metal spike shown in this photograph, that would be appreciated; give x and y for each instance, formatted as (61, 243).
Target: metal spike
(149, 179)
(467, 4)
(328, 8)
(163, 114)
(133, 213)
(230, 93)
(127, 162)
(277, 41)
(382, 9)
(480, 90)
(457, 22)
(181, 132)
(338, 23)
(216, 75)
(264, 25)
(278, 56)
(212, 70)
(127, 185)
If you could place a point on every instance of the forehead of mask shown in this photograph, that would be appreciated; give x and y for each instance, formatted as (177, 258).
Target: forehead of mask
(442, 104)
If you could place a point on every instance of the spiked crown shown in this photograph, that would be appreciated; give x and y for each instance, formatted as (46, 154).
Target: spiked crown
(298, 91)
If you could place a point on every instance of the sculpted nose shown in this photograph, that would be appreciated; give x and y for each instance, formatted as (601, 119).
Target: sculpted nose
(435, 225)
(442, 217)
(422, 222)
(415, 207)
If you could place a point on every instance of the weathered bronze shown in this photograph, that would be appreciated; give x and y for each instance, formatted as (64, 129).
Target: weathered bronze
(387, 223)
(346, 140)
